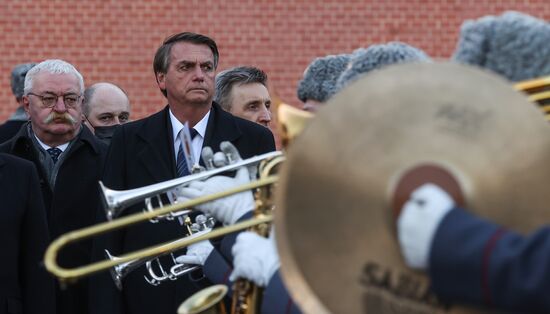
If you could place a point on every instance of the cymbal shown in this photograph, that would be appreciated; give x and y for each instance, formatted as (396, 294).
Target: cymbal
(338, 195)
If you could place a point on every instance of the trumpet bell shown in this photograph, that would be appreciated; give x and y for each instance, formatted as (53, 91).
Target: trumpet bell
(206, 301)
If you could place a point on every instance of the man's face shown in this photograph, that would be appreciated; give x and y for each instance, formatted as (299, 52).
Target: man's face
(251, 102)
(108, 106)
(59, 123)
(190, 76)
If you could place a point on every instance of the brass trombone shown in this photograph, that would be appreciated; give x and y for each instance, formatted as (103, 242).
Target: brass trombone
(66, 275)
(116, 201)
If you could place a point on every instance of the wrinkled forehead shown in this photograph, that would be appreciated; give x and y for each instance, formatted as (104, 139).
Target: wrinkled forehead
(184, 51)
(58, 83)
(250, 91)
(109, 101)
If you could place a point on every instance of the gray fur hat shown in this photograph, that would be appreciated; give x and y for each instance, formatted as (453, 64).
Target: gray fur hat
(514, 45)
(378, 56)
(18, 78)
(320, 77)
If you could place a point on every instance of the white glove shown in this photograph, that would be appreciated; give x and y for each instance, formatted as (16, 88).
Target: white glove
(196, 253)
(220, 160)
(418, 222)
(228, 209)
(207, 155)
(232, 155)
(254, 258)
(229, 154)
(230, 151)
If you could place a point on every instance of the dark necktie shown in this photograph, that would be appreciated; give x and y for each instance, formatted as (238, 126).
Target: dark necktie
(54, 153)
(181, 163)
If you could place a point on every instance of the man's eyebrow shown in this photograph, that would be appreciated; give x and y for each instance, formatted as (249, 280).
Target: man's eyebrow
(54, 94)
(186, 62)
(254, 101)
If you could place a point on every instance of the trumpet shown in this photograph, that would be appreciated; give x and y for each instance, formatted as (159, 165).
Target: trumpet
(116, 201)
(119, 272)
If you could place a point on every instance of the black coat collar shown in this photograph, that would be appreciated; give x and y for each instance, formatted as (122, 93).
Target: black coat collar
(85, 137)
(158, 155)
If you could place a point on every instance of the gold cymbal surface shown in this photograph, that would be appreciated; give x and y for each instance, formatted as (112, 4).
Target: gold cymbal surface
(335, 214)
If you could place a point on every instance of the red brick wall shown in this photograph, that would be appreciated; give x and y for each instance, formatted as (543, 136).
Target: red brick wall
(116, 40)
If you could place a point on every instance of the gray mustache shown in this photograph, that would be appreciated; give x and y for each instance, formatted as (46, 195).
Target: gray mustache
(65, 116)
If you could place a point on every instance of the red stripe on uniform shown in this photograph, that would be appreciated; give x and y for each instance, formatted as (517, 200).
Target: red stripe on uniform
(488, 251)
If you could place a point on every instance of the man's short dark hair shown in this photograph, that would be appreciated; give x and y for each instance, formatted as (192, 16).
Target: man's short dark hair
(161, 63)
(241, 75)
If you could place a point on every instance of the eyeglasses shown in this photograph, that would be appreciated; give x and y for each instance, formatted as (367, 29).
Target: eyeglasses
(49, 100)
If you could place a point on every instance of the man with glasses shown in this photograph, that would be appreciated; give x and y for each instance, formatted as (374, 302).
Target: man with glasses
(69, 160)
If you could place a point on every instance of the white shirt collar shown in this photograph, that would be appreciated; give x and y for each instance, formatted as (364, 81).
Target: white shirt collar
(197, 142)
(200, 127)
(63, 147)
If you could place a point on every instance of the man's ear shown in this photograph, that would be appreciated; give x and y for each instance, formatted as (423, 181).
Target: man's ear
(161, 80)
(26, 104)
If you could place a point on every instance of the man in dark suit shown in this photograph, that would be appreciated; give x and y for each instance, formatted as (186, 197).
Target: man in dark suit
(69, 160)
(146, 152)
(25, 287)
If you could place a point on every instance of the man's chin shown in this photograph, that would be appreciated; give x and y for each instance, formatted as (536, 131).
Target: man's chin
(200, 101)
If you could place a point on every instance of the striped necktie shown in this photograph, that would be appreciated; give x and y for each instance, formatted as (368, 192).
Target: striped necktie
(181, 163)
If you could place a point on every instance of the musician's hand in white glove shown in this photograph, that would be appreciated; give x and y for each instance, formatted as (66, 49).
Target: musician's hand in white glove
(254, 258)
(227, 155)
(196, 253)
(228, 209)
(418, 222)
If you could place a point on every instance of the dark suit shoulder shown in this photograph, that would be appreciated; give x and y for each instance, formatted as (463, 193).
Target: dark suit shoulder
(13, 161)
(10, 129)
(17, 142)
(259, 136)
(136, 125)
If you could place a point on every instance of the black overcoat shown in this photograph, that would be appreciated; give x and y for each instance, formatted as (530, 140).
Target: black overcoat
(25, 286)
(142, 153)
(72, 204)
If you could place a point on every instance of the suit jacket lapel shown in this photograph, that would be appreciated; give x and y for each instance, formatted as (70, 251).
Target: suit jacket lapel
(157, 156)
(221, 127)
